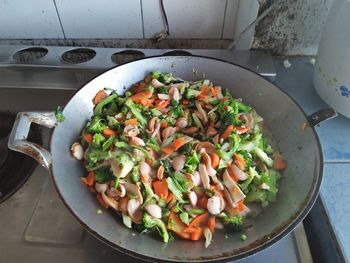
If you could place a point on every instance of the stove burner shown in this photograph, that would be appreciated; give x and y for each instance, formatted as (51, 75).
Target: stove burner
(15, 168)
(127, 56)
(29, 55)
(78, 55)
(177, 53)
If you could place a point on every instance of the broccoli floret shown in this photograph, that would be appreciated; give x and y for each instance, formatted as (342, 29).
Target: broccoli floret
(96, 125)
(191, 93)
(257, 195)
(98, 139)
(94, 155)
(126, 163)
(234, 222)
(59, 115)
(150, 222)
(136, 112)
(103, 175)
(163, 90)
(176, 111)
(155, 74)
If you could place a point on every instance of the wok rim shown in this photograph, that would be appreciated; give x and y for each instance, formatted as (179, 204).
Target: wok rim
(264, 244)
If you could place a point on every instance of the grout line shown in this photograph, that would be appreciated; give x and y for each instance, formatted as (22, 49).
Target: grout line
(142, 23)
(59, 19)
(223, 22)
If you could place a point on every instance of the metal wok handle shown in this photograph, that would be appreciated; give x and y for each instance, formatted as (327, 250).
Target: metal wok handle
(18, 137)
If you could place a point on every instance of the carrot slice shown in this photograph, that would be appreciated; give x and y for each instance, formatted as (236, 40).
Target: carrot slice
(195, 232)
(89, 179)
(101, 201)
(174, 146)
(176, 225)
(140, 87)
(170, 197)
(227, 132)
(164, 124)
(214, 91)
(109, 132)
(200, 220)
(99, 96)
(239, 161)
(161, 188)
(131, 122)
(211, 224)
(214, 160)
(88, 137)
(161, 104)
(279, 163)
(240, 206)
(141, 96)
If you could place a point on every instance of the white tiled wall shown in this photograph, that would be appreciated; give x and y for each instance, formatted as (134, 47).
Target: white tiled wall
(100, 18)
(129, 19)
(24, 19)
(189, 19)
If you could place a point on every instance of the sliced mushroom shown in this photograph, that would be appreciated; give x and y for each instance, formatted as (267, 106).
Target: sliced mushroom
(101, 188)
(211, 131)
(174, 93)
(181, 122)
(178, 162)
(207, 161)
(204, 176)
(134, 211)
(209, 147)
(156, 132)
(135, 190)
(195, 178)
(163, 96)
(151, 125)
(160, 172)
(238, 172)
(214, 205)
(111, 202)
(145, 171)
(154, 210)
(137, 141)
(120, 192)
(168, 131)
(77, 151)
(192, 197)
(190, 130)
(233, 189)
(157, 84)
(202, 112)
(228, 199)
(131, 130)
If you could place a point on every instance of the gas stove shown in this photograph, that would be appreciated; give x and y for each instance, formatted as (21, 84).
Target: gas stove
(34, 224)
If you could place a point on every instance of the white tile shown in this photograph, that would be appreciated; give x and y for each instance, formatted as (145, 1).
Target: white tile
(230, 19)
(246, 14)
(23, 19)
(101, 19)
(191, 19)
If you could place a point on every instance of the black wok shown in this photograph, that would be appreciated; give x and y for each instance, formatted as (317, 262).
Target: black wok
(283, 118)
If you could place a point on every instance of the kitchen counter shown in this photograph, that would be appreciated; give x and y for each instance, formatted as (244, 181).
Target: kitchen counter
(334, 136)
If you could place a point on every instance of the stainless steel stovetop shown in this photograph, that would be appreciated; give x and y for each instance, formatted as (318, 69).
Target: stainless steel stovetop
(34, 224)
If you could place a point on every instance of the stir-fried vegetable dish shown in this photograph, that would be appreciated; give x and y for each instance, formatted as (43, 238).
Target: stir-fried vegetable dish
(181, 157)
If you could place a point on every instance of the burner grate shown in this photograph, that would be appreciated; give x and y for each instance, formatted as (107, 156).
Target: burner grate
(15, 168)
